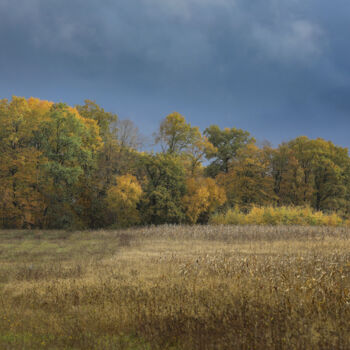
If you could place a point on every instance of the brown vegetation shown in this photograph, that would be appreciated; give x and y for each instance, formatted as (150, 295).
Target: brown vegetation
(200, 287)
(278, 216)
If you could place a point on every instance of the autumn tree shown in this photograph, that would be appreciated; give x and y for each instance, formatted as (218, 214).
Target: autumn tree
(20, 162)
(128, 135)
(69, 144)
(175, 134)
(227, 143)
(323, 165)
(196, 153)
(122, 199)
(303, 150)
(249, 182)
(202, 198)
(105, 120)
(311, 172)
(116, 157)
(66, 167)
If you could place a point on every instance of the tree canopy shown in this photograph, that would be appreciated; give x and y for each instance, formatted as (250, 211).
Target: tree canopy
(80, 167)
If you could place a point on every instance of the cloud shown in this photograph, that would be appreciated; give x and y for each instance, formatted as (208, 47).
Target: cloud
(163, 31)
(253, 62)
(297, 40)
(185, 9)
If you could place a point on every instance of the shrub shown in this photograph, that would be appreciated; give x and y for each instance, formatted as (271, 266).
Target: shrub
(277, 216)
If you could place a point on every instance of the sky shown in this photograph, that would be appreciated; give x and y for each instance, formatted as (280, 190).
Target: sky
(277, 68)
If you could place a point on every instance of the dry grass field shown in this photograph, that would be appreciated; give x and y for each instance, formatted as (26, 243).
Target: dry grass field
(201, 287)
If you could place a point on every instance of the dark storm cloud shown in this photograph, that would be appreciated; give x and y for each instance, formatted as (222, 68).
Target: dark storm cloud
(278, 68)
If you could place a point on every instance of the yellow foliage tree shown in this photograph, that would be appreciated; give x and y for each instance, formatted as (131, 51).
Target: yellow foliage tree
(21, 202)
(122, 199)
(217, 195)
(203, 197)
(176, 136)
(196, 152)
(46, 151)
(248, 182)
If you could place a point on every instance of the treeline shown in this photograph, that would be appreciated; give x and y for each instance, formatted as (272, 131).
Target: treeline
(65, 167)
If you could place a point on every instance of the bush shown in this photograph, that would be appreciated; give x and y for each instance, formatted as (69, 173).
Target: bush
(277, 216)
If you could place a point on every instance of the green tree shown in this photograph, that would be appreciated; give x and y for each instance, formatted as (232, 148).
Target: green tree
(175, 134)
(328, 167)
(227, 143)
(105, 120)
(164, 187)
(311, 172)
(249, 182)
(70, 144)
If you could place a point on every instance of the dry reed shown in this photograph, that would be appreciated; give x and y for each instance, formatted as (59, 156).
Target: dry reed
(168, 287)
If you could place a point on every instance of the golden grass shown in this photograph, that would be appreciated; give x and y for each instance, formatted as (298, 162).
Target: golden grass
(201, 287)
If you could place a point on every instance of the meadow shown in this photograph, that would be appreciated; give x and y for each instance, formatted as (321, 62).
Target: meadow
(176, 287)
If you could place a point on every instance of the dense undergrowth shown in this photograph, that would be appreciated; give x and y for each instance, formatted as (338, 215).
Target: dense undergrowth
(278, 216)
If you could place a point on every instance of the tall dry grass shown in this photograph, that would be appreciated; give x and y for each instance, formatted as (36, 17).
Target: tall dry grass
(201, 287)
